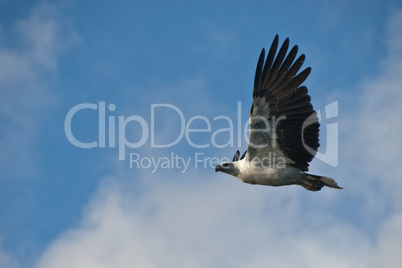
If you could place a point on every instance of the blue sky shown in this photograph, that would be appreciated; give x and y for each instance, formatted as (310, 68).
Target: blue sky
(61, 205)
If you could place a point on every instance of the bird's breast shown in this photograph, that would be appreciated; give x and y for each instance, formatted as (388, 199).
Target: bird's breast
(271, 176)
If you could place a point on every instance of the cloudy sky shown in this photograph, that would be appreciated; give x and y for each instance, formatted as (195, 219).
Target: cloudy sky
(112, 75)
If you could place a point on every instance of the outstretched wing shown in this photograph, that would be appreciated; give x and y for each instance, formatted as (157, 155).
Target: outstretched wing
(282, 119)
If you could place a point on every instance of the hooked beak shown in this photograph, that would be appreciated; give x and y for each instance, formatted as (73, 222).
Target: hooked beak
(218, 168)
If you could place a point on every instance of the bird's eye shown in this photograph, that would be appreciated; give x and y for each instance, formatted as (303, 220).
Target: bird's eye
(225, 165)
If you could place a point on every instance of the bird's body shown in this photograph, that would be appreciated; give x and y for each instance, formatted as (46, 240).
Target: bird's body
(283, 126)
(286, 175)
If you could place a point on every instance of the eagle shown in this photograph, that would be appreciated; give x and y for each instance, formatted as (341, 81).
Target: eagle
(284, 127)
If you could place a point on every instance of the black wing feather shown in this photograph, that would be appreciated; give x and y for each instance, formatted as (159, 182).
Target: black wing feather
(236, 156)
(278, 83)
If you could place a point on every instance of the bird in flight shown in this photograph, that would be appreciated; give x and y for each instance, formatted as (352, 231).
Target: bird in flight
(283, 126)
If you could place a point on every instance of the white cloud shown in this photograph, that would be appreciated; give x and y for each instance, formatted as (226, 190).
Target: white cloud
(376, 122)
(205, 223)
(28, 57)
(204, 220)
(29, 53)
(7, 260)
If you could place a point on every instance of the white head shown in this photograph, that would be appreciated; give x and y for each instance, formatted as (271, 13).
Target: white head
(230, 168)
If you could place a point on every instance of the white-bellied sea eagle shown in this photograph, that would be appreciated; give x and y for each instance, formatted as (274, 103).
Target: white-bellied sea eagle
(283, 126)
